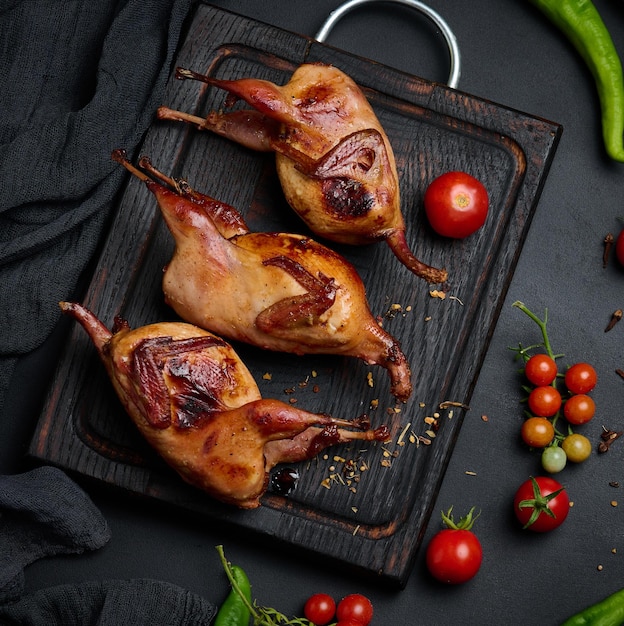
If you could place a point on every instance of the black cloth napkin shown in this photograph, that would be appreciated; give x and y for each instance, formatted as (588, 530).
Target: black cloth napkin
(136, 602)
(43, 513)
(79, 79)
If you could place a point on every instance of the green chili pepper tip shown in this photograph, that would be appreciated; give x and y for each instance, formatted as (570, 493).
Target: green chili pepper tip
(582, 24)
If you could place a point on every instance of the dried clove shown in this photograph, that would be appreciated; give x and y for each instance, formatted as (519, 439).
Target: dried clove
(608, 436)
(608, 244)
(616, 316)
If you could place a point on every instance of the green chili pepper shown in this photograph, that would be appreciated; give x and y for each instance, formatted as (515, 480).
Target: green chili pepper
(235, 611)
(580, 21)
(608, 612)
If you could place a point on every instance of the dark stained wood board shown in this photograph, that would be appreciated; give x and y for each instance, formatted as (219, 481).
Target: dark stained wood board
(373, 522)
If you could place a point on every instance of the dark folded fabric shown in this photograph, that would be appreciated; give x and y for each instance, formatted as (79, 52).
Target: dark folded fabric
(79, 79)
(42, 513)
(110, 603)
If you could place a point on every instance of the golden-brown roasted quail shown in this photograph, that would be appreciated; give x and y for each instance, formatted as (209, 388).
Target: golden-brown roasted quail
(198, 406)
(334, 160)
(278, 291)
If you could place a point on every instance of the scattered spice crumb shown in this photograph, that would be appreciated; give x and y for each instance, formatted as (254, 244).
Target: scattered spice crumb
(470, 473)
(369, 379)
(374, 403)
(314, 374)
(614, 483)
(613, 550)
(316, 389)
(436, 293)
(267, 376)
(484, 418)
(449, 403)
(600, 568)
(457, 299)
(356, 529)
(620, 373)
(401, 439)
(614, 503)
(427, 318)
(608, 244)
(616, 316)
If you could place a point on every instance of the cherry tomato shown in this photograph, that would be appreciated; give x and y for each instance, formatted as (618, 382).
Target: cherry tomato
(454, 554)
(619, 247)
(356, 608)
(581, 378)
(554, 459)
(320, 609)
(540, 369)
(579, 409)
(456, 204)
(577, 448)
(541, 504)
(544, 401)
(537, 432)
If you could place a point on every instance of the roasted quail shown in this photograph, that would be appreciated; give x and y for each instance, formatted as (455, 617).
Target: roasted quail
(198, 406)
(278, 291)
(334, 160)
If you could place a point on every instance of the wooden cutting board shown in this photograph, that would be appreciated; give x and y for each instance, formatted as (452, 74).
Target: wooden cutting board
(364, 507)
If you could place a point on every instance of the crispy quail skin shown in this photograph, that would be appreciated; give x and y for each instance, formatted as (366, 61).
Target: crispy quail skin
(278, 291)
(334, 160)
(198, 406)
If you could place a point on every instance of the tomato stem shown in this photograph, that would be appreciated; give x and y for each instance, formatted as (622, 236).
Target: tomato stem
(542, 326)
(464, 523)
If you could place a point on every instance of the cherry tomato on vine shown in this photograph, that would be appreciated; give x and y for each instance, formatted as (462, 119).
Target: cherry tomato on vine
(577, 448)
(356, 608)
(581, 378)
(537, 432)
(456, 204)
(540, 369)
(619, 247)
(579, 409)
(541, 504)
(554, 459)
(544, 401)
(454, 554)
(320, 609)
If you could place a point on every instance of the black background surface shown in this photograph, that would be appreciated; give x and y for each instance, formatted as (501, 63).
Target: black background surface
(513, 56)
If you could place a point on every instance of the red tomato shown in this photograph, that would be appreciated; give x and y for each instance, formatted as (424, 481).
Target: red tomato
(540, 369)
(348, 622)
(541, 504)
(456, 204)
(619, 247)
(581, 378)
(355, 608)
(579, 409)
(454, 554)
(320, 609)
(544, 401)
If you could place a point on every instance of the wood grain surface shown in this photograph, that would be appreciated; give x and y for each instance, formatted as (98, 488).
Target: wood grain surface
(366, 508)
